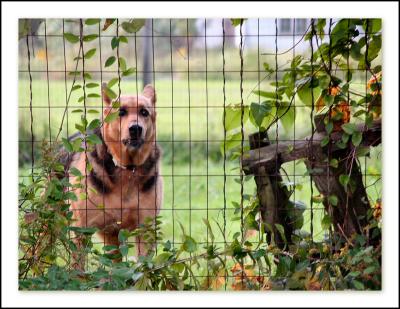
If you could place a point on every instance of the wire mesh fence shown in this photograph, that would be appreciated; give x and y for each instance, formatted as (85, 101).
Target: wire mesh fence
(256, 147)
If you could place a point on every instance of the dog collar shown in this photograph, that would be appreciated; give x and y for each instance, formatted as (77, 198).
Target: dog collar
(130, 167)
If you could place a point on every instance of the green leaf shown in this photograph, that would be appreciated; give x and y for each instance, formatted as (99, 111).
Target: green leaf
(122, 63)
(74, 73)
(321, 27)
(112, 82)
(296, 61)
(349, 77)
(329, 127)
(90, 37)
(71, 196)
(359, 113)
(95, 123)
(123, 249)
(90, 53)
(334, 163)
(110, 247)
(210, 232)
(237, 21)
(189, 245)
(374, 25)
(111, 94)
(333, 200)
(93, 139)
(92, 21)
(134, 25)
(267, 67)
(76, 144)
(349, 128)
(83, 230)
(369, 120)
(325, 141)
(114, 42)
(356, 138)
(123, 39)
(137, 276)
(87, 75)
(116, 104)
(111, 117)
(67, 145)
(353, 274)
(250, 221)
(92, 85)
(355, 51)
(341, 32)
(76, 87)
(345, 138)
(74, 171)
(93, 95)
(259, 111)
(231, 142)
(328, 100)
(287, 116)
(123, 236)
(374, 47)
(369, 270)
(304, 91)
(162, 258)
(128, 71)
(361, 64)
(377, 69)
(281, 231)
(236, 248)
(233, 116)
(344, 180)
(362, 151)
(358, 285)
(266, 94)
(110, 61)
(326, 222)
(72, 38)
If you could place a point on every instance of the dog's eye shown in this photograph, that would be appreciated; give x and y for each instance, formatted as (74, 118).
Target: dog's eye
(122, 112)
(144, 112)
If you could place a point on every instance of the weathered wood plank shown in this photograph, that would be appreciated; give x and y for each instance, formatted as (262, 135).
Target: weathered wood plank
(287, 151)
(272, 197)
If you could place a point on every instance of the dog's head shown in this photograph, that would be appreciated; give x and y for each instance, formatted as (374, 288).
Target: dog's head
(131, 137)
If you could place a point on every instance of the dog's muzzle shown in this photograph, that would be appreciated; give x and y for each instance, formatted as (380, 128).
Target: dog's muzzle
(135, 139)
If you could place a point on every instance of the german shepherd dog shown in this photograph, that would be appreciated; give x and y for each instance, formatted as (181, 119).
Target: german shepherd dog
(124, 185)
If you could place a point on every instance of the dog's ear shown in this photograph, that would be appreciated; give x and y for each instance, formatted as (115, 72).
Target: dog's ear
(150, 93)
(106, 98)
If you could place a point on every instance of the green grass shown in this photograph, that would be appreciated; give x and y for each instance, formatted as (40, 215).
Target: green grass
(193, 167)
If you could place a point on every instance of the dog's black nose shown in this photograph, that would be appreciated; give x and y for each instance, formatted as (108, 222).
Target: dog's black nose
(135, 131)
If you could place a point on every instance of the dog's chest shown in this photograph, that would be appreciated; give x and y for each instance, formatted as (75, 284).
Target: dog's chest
(127, 189)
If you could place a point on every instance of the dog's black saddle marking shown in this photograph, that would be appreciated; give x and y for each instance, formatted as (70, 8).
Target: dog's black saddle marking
(149, 183)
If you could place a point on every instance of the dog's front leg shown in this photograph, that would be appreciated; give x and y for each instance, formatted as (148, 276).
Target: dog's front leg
(141, 246)
(78, 255)
(111, 238)
(144, 247)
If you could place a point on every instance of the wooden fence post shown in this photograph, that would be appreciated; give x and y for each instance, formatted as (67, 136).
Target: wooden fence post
(273, 198)
(350, 213)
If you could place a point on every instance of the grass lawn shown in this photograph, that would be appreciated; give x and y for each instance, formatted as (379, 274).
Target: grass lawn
(190, 134)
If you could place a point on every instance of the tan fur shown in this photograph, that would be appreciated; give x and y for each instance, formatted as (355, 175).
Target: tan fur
(125, 206)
